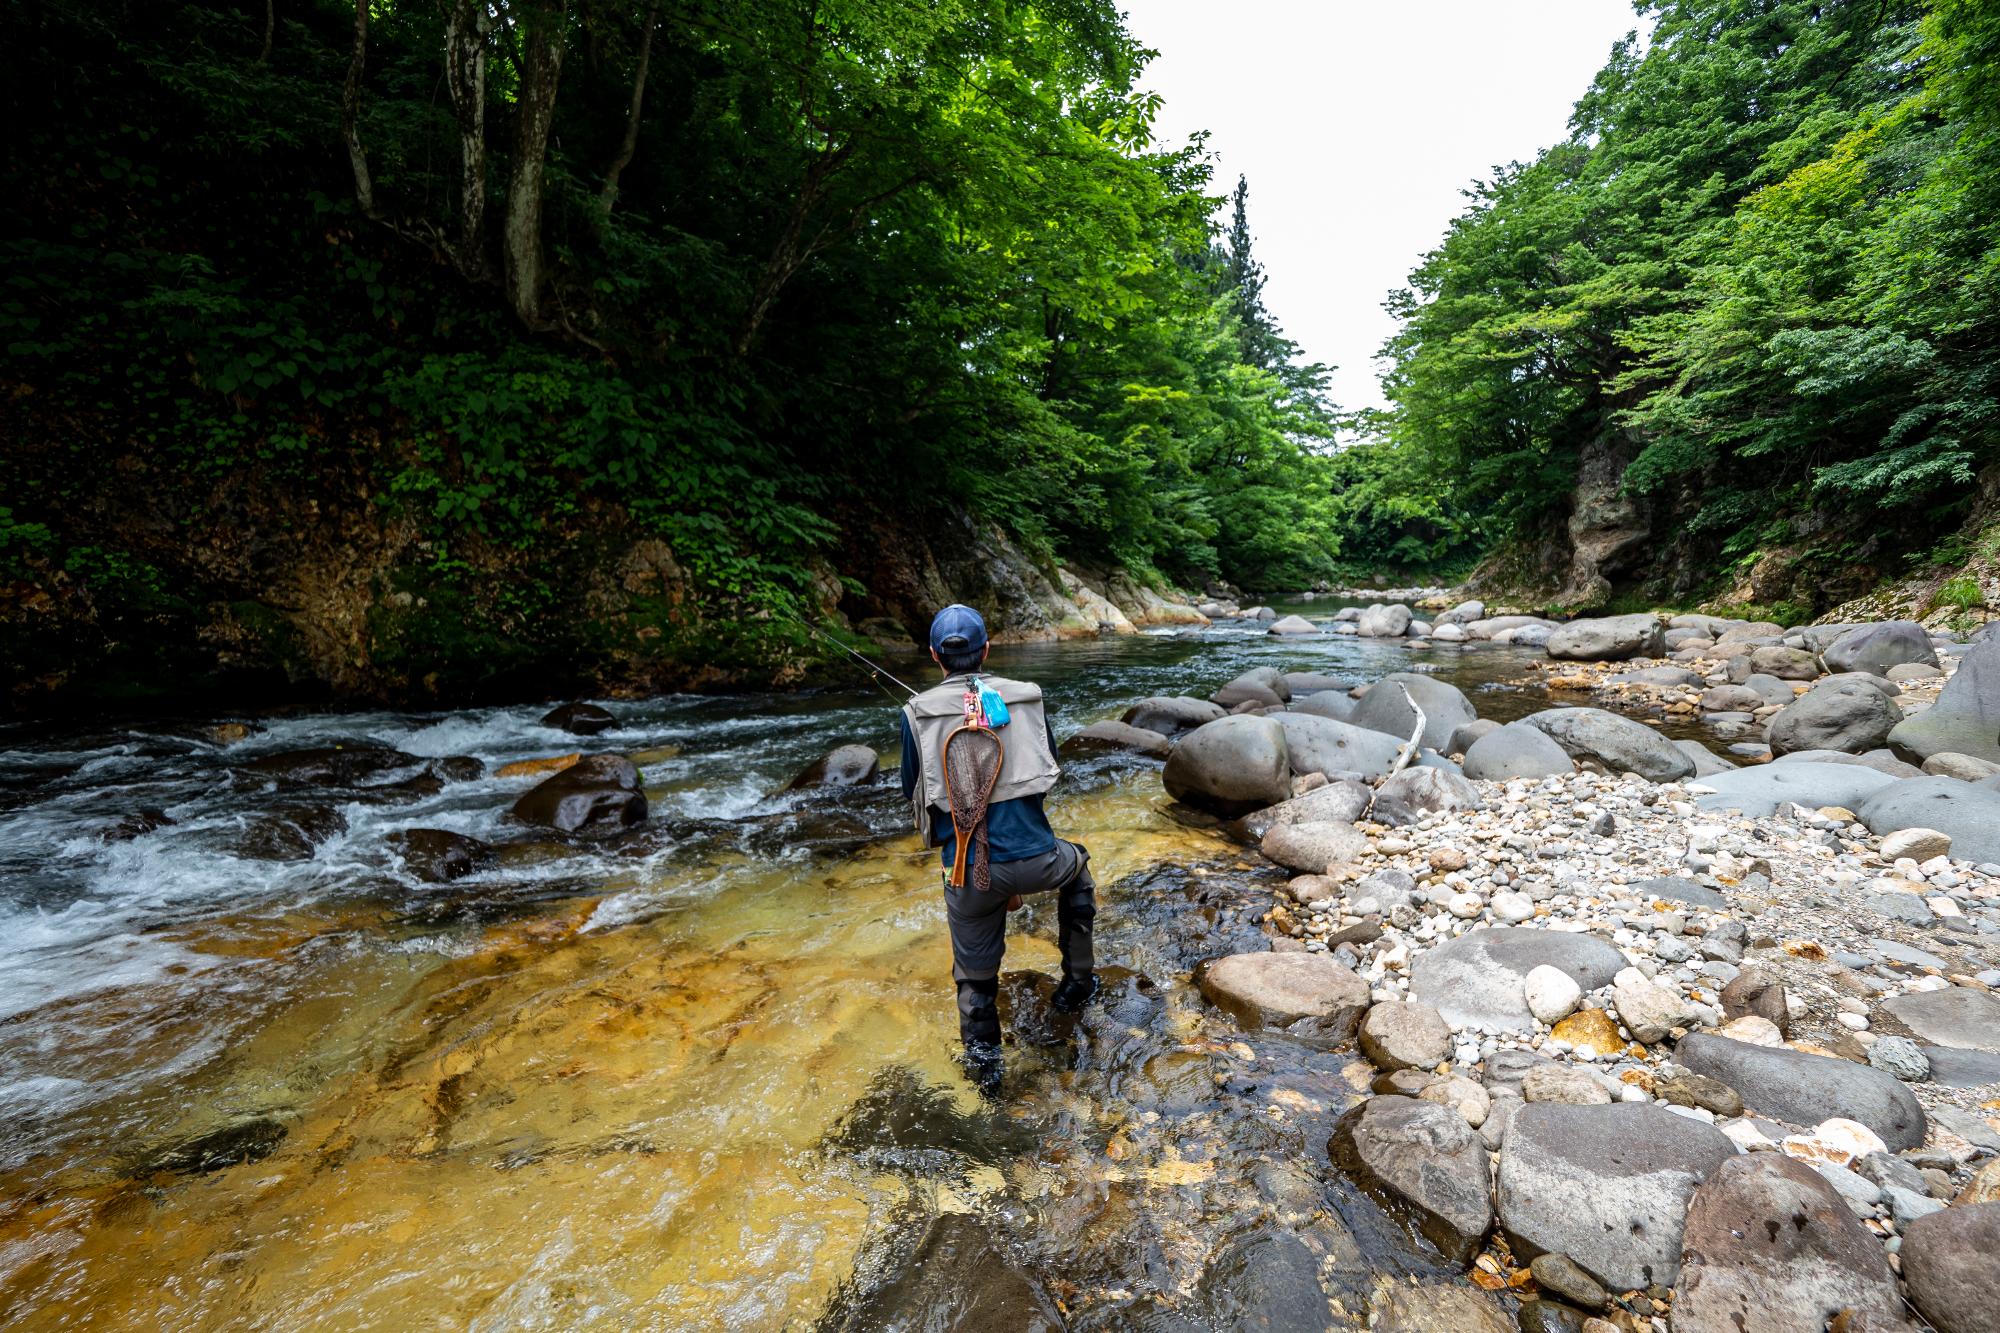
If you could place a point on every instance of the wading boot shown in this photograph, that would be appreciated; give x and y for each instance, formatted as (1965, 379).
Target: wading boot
(1074, 992)
(979, 1029)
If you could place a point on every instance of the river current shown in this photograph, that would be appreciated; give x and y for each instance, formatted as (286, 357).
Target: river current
(698, 1078)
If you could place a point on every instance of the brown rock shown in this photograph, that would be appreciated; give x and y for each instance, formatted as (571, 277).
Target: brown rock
(1755, 992)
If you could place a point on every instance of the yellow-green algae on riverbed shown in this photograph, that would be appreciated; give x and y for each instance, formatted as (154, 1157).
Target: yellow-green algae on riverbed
(561, 1126)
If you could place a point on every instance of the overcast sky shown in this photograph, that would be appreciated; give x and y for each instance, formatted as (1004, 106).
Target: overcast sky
(1358, 123)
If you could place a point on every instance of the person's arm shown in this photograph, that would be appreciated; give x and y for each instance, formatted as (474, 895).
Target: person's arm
(907, 774)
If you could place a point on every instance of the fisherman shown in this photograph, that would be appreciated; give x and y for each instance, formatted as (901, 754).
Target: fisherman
(1025, 854)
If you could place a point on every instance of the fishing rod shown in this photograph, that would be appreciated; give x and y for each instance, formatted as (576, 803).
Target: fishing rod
(875, 671)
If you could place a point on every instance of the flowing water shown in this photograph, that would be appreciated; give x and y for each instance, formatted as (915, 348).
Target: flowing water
(697, 1078)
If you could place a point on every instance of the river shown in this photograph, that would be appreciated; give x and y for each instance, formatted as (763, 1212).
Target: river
(699, 1079)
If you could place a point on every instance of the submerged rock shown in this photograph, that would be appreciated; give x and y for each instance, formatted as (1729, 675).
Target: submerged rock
(948, 1275)
(597, 794)
(1117, 738)
(240, 1141)
(438, 855)
(291, 835)
(843, 766)
(1170, 716)
(1424, 1158)
(578, 719)
(334, 765)
(1307, 995)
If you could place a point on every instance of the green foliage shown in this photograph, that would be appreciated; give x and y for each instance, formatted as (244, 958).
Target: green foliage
(915, 256)
(1762, 276)
(1961, 593)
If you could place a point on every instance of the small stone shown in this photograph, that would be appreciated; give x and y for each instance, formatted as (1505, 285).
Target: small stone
(1557, 1273)
(1752, 1028)
(1917, 844)
(1560, 1083)
(1590, 1030)
(1837, 1142)
(1513, 908)
(1902, 1057)
(1699, 1090)
(1551, 993)
(1649, 1011)
(1467, 1097)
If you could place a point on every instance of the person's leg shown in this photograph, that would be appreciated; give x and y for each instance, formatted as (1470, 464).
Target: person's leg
(978, 924)
(1076, 915)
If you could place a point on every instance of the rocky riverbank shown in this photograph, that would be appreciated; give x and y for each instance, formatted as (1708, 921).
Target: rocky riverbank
(1649, 1039)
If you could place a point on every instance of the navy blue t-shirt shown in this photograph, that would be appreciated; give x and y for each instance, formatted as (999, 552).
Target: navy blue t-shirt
(1015, 830)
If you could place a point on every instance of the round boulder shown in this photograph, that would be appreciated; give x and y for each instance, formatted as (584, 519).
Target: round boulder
(1291, 625)
(1608, 639)
(1385, 622)
(1835, 714)
(1403, 1034)
(1170, 716)
(1516, 751)
(1965, 812)
(1876, 648)
(598, 794)
(1232, 765)
(578, 719)
(1951, 1261)
(1306, 995)
(1387, 708)
(1115, 738)
(1619, 743)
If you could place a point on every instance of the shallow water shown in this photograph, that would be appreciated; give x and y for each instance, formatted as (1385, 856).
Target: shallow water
(701, 1079)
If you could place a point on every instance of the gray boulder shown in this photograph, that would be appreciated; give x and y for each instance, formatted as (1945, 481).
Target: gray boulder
(1327, 703)
(1784, 663)
(598, 794)
(1462, 739)
(1337, 802)
(842, 766)
(1707, 763)
(1619, 743)
(1306, 995)
(1605, 1186)
(438, 856)
(1761, 790)
(1876, 648)
(1463, 614)
(1806, 1089)
(1402, 1034)
(578, 719)
(1516, 750)
(1966, 717)
(1170, 715)
(1423, 1157)
(1117, 737)
(1386, 709)
(1292, 625)
(1835, 715)
(1264, 685)
(1951, 1261)
(1415, 792)
(1964, 767)
(1733, 699)
(1479, 977)
(1960, 1018)
(1313, 848)
(1769, 1245)
(1322, 745)
(1231, 766)
(1712, 626)
(1769, 688)
(1385, 622)
(1968, 812)
(1659, 675)
(1608, 639)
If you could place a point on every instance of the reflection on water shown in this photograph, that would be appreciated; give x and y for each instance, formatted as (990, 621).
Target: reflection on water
(698, 1079)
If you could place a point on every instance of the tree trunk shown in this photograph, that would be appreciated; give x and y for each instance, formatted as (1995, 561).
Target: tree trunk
(350, 110)
(270, 22)
(608, 197)
(467, 24)
(541, 29)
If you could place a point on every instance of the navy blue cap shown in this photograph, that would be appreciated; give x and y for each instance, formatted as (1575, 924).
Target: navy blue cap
(957, 629)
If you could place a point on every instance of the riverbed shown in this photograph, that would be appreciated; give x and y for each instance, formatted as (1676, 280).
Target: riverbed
(697, 1078)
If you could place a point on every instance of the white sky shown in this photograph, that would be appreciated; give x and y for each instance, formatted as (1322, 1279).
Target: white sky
(1358, 123)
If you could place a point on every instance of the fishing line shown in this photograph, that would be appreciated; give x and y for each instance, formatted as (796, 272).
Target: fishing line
(874, 670)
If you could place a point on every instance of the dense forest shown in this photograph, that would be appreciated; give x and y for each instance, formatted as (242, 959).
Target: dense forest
(1740, 329)
(424, 348)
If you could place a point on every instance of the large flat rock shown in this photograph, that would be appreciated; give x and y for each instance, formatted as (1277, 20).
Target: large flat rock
(1806, 1089)
(1769, 1247)
(1968, 812)
(1307, 995)
(1605, 1186)
(1478, 978)
(1761, 790)
(1961, 1018)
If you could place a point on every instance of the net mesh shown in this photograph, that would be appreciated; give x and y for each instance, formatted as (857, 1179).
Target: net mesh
(972, 757)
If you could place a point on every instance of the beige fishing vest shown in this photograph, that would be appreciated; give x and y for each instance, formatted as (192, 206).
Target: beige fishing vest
(1027, 767)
